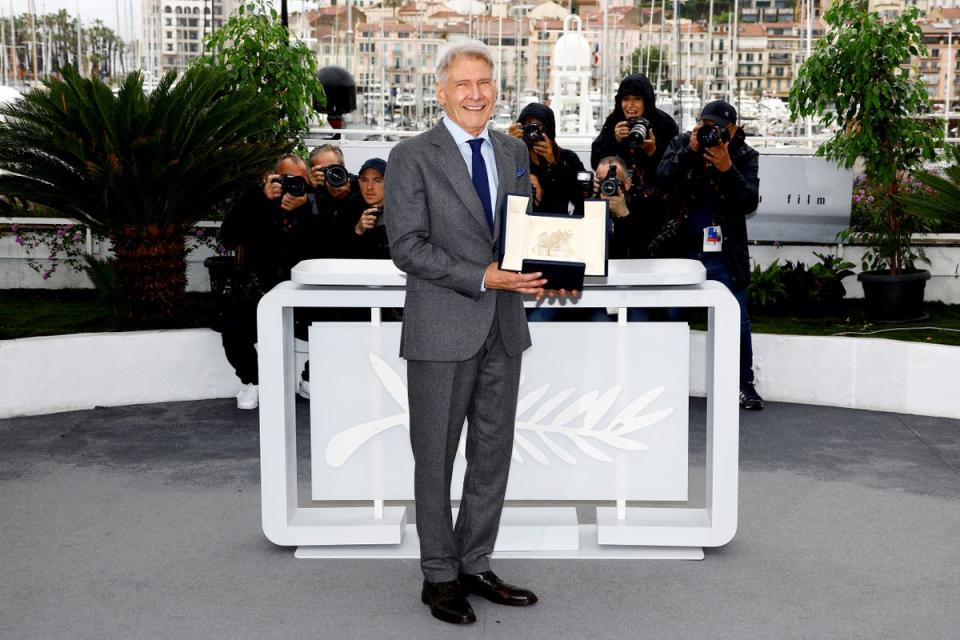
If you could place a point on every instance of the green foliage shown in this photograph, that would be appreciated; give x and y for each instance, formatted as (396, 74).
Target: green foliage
(253, 48)
(855, 80)
(940, 198)
(138, 169)
(766, 288)
(132, 160)
(793, 289)
(647, 62)
(870, 223)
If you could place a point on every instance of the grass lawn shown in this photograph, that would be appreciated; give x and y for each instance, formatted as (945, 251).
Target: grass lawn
(42, 312)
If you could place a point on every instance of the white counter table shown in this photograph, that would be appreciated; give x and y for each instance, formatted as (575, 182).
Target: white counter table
(602, 417)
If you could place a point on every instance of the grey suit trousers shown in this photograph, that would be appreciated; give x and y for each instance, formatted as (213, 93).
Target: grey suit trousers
(483, 390)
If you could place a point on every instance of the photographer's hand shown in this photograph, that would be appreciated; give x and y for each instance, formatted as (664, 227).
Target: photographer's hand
(617, 204)
(544, 149)
(650, 144)
(289, 202)
(694, 143)
(272, 190)
(515, 130)
(317, 177)
(621, 131)
(719, 156)
(367, 221)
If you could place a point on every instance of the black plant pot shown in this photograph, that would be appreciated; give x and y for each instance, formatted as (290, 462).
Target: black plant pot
(894, 298)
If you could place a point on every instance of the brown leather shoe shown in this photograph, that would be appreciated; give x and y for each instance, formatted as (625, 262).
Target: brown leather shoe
(447, 602)
(488, 585)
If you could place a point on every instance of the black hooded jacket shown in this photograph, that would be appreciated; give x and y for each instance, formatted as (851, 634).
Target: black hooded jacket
(728, 196)
(664, 128)
(559, 180)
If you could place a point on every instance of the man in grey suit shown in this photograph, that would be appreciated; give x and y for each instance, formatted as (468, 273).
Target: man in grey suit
(464, 328)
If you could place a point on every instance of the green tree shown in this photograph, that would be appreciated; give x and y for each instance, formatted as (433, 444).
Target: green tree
(855, 80)
(253, 48)
(651, 62)
(138, 169)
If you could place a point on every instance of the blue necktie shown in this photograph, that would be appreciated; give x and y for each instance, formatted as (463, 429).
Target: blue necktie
(480, 182)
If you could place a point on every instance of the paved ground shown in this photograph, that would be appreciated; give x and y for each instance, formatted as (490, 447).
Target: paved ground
(143, 522)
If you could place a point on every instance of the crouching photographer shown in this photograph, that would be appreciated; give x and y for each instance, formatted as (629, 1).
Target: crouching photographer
(555, 168)
(271, 228)
(711, 177)
(369, 226)
(637, 230)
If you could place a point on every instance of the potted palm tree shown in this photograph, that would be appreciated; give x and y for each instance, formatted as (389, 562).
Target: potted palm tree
(139, 169)
(855, 80)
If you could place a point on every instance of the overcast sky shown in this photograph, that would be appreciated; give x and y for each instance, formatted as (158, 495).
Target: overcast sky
(106, 10)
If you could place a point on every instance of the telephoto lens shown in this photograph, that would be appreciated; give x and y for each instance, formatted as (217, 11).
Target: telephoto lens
(639, 128)
(336, 175)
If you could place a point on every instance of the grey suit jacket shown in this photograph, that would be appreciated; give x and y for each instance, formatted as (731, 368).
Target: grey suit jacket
(439, 236)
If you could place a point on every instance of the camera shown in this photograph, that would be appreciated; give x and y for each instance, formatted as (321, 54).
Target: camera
(639, 128)
(610, 185)
(294, 185)
(532, 133)
(335, 175)
(585, 182)
(710, 135)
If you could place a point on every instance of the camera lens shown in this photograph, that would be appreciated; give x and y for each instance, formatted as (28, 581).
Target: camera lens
(710, 135)
(639, 128)
(294, 185)
(336, 175)
(608, 187)
(532, 133)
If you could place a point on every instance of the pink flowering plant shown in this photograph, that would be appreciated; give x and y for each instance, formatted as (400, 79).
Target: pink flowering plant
(48, 248)
(873, 205)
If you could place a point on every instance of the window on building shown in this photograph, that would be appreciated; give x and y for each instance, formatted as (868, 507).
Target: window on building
(169, 46)
(168, 22)
(168, 9)
(178, 10)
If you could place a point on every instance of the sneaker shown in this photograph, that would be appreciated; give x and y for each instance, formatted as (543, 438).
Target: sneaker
(304, 389)
(249, 397)
(749, 398)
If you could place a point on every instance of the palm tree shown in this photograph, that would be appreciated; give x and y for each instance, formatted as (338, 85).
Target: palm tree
(140, 170)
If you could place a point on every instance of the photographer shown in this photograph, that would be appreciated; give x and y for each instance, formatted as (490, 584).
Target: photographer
(637, 231)
(711, 177)
(338, 200)
(370, 225)
(638, 133)
(554, 167)
(271, 229)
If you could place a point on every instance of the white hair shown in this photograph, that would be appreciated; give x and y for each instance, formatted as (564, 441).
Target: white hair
(469, 48)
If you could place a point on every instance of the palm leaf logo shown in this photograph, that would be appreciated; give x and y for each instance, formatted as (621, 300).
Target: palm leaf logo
(553, 426)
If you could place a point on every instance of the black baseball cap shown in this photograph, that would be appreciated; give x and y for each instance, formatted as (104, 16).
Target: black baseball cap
(719, 111)
(377, 164)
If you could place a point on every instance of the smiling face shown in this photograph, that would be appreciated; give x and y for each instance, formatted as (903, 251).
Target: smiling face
(632, 106)
(468, 95)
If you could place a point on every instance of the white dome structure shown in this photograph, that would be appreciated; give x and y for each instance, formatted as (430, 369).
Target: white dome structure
(570, 81)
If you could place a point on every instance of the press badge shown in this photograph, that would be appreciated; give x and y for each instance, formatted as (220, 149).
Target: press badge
(712, 239)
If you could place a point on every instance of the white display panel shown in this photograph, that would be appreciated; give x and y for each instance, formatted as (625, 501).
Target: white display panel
(602, 414)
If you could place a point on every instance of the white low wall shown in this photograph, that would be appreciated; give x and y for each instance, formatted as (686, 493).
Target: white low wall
(64, 373)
